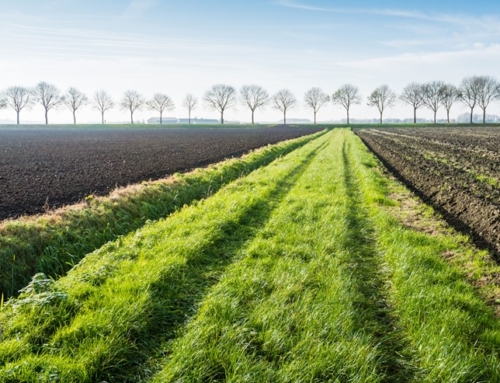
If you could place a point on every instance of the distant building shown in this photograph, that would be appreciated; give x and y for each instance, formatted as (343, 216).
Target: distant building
(174, 120)
(165, 120)
(200, 121)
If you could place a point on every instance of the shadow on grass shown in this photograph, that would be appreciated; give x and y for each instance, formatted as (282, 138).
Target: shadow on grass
(176, 297)
(374, 310)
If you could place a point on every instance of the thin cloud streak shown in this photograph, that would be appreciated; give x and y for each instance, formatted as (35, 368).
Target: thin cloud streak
(451, 19)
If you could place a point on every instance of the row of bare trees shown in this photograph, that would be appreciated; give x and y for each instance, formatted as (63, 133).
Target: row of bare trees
(475, 91)
(50, 97)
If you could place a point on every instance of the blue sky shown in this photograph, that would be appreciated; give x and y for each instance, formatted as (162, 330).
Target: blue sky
(176, 47)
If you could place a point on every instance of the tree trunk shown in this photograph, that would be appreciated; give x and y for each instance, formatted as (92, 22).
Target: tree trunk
(314, 117)
(131, 117)
(17, 117)
(46, 117)
(284, 117)
(484, 116)
(448, 115)
(414, 115)
(347, 116)
(189, 115)
(102, 117)
(435, 118)
(222, 117)
(74, 117)
(253, 121)
(381, 120)
(161, 118)
(471, 115)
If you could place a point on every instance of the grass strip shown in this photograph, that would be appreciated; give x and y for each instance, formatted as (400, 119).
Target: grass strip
(103, 320)
(452, 333)
(302, 302)
(53, 243)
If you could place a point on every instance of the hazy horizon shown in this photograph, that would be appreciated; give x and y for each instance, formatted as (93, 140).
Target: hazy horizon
(178, 47)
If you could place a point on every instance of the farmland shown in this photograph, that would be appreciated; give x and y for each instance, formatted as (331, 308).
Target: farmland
(455, 169)
(47, 167)
(303, 270)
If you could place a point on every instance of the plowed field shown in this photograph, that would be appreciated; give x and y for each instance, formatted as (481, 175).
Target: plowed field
(42, 168)
(455, 169)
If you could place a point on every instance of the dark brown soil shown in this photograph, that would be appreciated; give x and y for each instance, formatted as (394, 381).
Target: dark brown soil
(48, 168)
(457, 170)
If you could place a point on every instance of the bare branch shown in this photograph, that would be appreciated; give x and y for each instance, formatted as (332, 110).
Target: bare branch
(103, 102)
(190, 102)
(449, 95)
(48, 96)
(469, 93)
(487, 91)
(220, 97)
(132, 101)
(18, 98)
(255, 97)
(382, 98)
(74, 100)
(432, 94)
(315, 98)
(413, 94)
(347, 95)
(160, 102)
(284, 100)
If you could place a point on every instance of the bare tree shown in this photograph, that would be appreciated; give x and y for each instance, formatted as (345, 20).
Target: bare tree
(103, 102)
(347, 95)
(432, 94)
(382, 98)
(315, 98)
(190, 102)
(449, 95)
(255, 97)
(469, 93)
(160, 102)
(132, 101)
(284, 100)
(48, 96)
(413, 94)
(220, 97)
(18, 98)
(487, 91)
(74, 100)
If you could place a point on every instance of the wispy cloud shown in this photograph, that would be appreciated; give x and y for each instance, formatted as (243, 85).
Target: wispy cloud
(399, 13)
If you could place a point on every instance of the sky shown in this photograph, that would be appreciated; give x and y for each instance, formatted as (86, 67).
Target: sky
(180, 47)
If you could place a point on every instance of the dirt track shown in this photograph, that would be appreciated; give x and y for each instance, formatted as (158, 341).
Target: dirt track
(42, 168)
(456, 170)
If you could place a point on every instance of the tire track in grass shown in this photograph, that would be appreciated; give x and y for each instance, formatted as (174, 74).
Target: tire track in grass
(452, 334)
(141, 289)
(370, 279)
(298, 306)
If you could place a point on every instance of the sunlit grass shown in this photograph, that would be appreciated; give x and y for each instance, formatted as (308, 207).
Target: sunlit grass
(114, 308)
(53, 243)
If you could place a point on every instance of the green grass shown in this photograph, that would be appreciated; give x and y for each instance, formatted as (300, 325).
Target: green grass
(299, 272)
(107, 316)
(52, 244)
(452, 333)
(302, 304)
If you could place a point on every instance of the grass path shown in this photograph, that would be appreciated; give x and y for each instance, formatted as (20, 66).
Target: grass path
(102, 321)
(299, 272)
(53, 243)
(304, 302)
